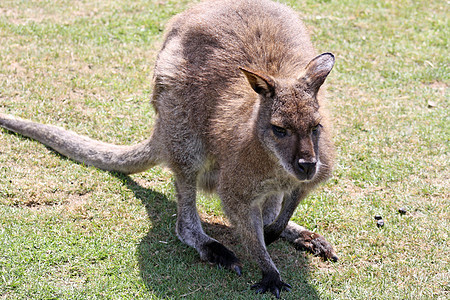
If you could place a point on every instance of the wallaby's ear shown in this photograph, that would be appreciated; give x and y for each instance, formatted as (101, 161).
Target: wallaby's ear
(262, 84)
(317, 71)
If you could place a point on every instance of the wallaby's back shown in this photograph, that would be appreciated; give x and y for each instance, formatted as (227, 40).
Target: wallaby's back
(205, 46)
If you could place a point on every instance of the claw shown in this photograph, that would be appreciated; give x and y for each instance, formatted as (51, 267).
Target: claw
(324, 249)
(274, 286)
(334, 258)
(276, 293)
(287, 287)
(258, 288)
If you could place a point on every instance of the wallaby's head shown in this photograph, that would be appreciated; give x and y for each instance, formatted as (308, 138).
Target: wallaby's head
(289, 121)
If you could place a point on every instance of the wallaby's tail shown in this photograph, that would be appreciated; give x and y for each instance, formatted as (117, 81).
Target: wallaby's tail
(124, 159)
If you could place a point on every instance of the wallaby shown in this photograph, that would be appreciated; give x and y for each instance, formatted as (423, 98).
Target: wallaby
(240, 111)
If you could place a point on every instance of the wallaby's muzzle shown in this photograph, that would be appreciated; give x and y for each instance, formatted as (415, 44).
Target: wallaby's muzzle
(306, 169)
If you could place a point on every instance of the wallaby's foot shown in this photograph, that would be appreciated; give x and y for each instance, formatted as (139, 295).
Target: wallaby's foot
(218, 254)
(315, 244)
(271, 283)
(306, 240)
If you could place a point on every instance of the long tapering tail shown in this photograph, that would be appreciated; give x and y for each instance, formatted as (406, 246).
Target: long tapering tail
(109, 157)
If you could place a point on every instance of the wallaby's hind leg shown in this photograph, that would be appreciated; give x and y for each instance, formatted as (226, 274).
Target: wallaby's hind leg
(303, 239)
(190, 231)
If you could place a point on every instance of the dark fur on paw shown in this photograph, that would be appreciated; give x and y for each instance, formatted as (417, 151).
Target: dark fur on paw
(218, 254)
(271, 283)
(316, 244)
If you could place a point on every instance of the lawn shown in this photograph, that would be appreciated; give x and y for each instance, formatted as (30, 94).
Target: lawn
(68, 231)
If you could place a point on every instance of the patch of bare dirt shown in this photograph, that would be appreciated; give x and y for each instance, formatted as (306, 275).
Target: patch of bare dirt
(440, 86)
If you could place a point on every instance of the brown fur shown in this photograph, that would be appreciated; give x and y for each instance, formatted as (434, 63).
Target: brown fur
(240, 112)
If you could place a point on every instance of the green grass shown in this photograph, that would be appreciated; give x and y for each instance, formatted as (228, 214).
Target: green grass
(72, 232)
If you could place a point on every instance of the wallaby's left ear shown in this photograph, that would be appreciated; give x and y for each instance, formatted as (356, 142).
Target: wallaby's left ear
(317, 71)
(262, 84)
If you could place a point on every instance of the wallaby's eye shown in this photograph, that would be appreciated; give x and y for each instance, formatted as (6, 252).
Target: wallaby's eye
(316, 129)
(279, 131)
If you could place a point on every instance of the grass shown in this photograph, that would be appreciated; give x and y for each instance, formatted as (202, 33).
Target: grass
(72, 232)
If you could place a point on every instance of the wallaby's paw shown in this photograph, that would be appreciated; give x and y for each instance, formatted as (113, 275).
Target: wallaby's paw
(271, 283)
(315, 244)
(218, 254)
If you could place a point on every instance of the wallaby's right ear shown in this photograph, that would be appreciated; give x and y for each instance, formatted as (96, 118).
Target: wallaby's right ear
(263, 85)
(317, 71)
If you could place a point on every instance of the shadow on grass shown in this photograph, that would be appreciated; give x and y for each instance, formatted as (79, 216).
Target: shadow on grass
(169, 269)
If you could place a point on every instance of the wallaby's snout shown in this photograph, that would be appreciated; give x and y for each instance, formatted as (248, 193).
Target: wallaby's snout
(306, 169)
(307, 161)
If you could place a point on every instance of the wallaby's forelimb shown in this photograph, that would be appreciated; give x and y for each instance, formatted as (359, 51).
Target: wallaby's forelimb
(299, 236)
(109, 157)
(290, 202)
(253, 233)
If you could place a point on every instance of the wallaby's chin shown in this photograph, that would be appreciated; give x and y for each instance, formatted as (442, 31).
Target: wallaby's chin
(305, 177)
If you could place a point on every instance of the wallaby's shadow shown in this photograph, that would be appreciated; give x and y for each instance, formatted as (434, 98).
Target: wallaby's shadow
(170, 269)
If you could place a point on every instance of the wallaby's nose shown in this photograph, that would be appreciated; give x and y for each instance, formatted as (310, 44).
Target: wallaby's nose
(308, 169)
